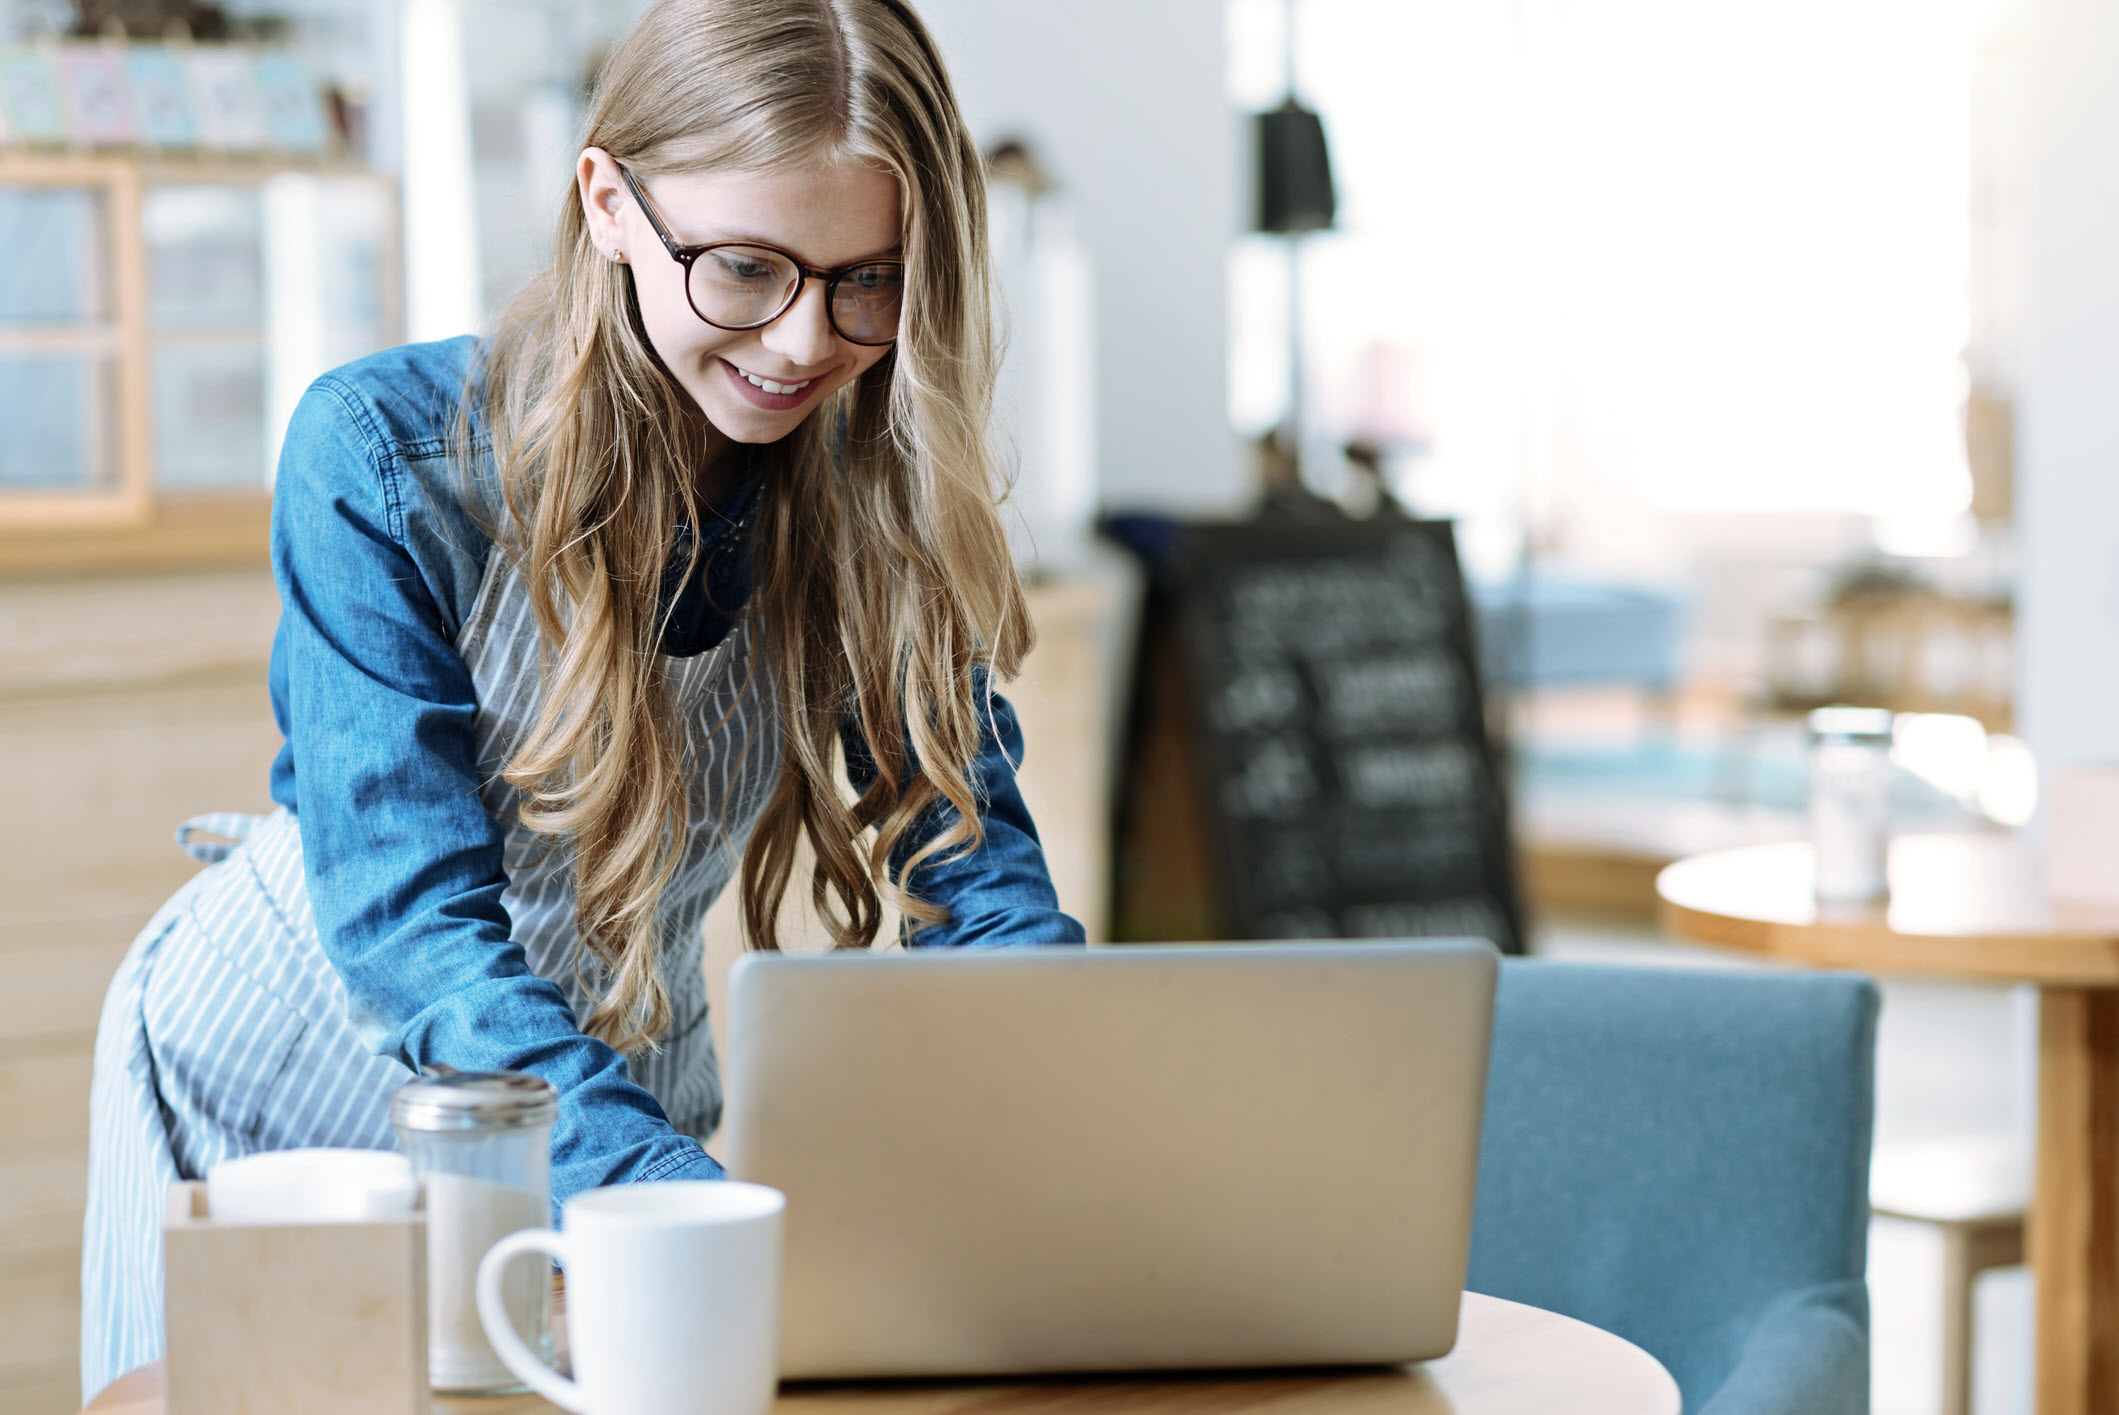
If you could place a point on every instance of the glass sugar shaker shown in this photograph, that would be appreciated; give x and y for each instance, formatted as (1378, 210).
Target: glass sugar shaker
(1851, 775)
(481, 1143)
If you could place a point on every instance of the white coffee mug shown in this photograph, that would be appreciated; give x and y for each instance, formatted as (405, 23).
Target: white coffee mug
(672, 1299)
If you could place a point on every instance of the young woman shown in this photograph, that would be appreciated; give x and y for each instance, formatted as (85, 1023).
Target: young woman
(579, 623)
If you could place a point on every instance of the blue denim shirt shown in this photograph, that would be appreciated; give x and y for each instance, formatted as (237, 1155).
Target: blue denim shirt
(379, 544)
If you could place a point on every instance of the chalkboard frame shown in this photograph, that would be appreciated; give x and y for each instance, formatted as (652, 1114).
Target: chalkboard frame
(1407, 832)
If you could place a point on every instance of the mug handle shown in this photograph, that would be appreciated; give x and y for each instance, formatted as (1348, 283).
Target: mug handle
(512, 1350)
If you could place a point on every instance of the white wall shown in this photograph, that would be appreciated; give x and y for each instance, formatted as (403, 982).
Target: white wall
(1126, 103)
(2068, 462)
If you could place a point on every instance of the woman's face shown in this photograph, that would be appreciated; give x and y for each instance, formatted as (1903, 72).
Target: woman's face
(826, 217)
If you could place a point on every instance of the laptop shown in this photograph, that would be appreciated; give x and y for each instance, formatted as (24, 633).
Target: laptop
(1018, 1161)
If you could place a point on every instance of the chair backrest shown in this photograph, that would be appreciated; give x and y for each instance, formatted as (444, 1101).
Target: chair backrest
(1671, 1153)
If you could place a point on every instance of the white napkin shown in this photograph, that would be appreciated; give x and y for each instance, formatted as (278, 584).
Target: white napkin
(311, 1186)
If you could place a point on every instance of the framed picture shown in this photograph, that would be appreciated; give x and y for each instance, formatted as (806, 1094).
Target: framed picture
(224, 87)
(161, 97)
(29, 95)
(293, 106)
(96, 94)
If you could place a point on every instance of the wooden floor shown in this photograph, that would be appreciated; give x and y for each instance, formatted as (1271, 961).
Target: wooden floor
(130, 704)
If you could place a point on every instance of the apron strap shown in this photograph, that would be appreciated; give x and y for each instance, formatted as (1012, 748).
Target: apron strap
(233, 826)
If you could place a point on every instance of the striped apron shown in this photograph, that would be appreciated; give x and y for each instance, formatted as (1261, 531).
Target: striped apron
(226, 1031)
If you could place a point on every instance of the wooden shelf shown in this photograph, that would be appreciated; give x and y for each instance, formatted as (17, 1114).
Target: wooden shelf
(185, 532)
(57, 165)
(87, 337)
(207, 334)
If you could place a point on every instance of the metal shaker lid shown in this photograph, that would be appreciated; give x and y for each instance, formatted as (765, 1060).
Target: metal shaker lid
(1863, 727)
(447, 1099)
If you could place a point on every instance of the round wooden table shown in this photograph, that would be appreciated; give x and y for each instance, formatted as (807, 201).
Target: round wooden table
(1509, 1360)
(1973, 906)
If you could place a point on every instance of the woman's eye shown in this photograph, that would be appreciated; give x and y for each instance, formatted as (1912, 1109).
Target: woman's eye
(874, 279)
(733, 265)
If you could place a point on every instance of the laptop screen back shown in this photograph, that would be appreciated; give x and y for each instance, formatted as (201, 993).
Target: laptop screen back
(1114, 1159)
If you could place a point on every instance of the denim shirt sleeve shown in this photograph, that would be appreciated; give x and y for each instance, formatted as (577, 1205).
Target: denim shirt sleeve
(1001, 894)
(404, 863)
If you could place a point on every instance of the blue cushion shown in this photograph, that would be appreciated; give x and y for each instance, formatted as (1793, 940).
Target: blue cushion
(1554, 629)
(1682, 1157)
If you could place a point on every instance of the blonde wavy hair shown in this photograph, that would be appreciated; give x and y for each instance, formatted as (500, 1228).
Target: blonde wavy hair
(882, 581)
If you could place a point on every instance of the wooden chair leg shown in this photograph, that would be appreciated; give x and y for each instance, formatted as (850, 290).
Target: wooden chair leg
(1974, 1190)
(1969, 1249)
(1957, 1276)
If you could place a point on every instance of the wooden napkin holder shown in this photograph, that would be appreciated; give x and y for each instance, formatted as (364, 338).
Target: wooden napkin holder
(321, 1319)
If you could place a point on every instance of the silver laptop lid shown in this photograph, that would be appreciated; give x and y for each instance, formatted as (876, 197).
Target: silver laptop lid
(1116, 1158)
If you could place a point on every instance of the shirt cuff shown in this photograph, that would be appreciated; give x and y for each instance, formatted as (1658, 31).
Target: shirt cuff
(697, 1164)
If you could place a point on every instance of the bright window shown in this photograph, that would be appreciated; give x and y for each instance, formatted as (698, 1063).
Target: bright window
(1670, 255)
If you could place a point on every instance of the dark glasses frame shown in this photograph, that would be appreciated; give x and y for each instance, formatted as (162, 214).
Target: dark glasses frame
(686, 255)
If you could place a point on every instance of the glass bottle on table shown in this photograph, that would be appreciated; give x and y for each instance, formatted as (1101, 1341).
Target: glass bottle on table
(1851, 778)
(481, 1143)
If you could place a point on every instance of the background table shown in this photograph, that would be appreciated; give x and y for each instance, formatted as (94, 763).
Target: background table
(1510, 1360)
(1972, 906)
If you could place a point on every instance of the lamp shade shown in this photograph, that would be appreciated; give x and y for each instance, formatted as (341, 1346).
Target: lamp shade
(1294, 171)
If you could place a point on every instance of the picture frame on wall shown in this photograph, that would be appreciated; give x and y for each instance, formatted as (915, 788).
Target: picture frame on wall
(96, 93)
(29, 96)
(161, 96)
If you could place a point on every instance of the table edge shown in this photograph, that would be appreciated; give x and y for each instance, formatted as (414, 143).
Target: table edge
(139, 1391)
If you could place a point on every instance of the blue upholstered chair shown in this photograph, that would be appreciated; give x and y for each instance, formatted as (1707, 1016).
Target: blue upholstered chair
(1682, 1157)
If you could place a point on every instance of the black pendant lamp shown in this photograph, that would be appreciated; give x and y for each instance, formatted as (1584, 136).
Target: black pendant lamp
(1294, 171)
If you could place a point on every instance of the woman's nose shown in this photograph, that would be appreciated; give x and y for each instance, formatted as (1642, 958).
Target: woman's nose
(804, 336)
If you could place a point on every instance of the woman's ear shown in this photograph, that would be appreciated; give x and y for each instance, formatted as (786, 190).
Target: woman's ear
(603, 200)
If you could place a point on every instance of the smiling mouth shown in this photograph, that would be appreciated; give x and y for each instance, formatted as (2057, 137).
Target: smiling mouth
(769, 385)
(770, 394)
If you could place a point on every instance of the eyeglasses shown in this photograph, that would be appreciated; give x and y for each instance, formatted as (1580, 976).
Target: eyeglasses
(744, 285)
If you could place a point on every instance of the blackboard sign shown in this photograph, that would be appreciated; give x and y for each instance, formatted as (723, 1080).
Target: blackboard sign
(1338, 747)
